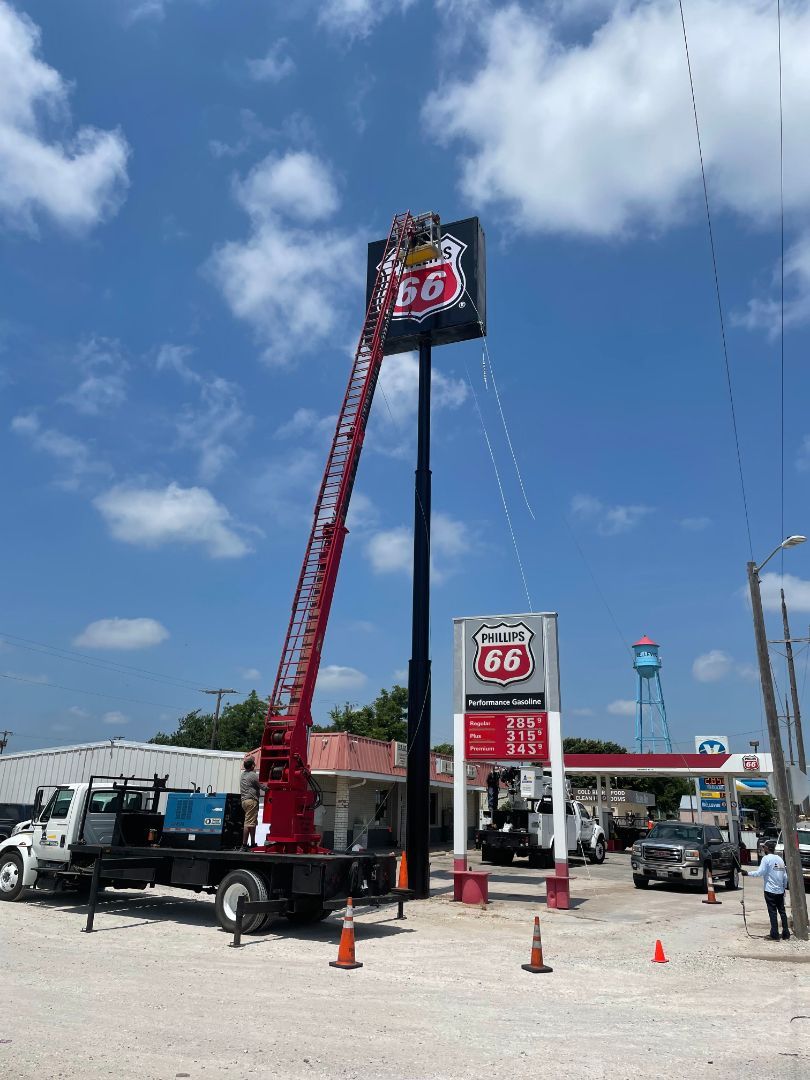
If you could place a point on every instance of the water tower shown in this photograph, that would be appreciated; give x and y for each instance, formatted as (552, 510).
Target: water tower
(652, 731)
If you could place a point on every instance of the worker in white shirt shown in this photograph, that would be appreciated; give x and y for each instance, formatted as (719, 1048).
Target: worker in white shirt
(774, 874)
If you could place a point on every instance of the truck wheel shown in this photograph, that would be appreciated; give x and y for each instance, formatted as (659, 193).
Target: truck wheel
(733, 879)
(502, 857)
(640, 881)
(235, 884)
(487, 853)
(703, 884)
(11, 876)
(598, 853)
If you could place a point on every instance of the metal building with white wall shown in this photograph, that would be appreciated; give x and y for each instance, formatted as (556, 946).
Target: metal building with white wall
(21, 774)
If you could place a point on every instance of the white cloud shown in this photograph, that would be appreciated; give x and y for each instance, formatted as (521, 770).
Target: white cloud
(298, 184)
(399, 381)
(78, 711)
(803, 457)
(609, 520)
(103, 387)
(274, 66)
(306, 422)
(391, 550)
(115, 718)
(797, 592)
(357, 18)
(289, 281)
(622, 707)
(287, 485)
(74, 457)
(218, 419)
(150, 517)
(118, 633)
(596, 136)
(695, 524)
(76, 180)
(363, 514)
(712, 666)
(401, 676)
(766, 314)
(252, 674)
(582, 712)
(334, 677)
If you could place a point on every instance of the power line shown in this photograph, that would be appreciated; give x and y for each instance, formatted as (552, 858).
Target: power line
(17, 642)
(717, 285)
(92, 693)
(503, 495)
(781, 285)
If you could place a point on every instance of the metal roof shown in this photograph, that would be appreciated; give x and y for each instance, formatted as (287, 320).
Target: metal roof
(125, 744)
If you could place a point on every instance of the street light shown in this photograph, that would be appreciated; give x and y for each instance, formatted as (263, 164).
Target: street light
(798, 901)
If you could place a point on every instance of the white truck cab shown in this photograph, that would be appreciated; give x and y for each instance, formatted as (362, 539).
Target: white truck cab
(39, 854)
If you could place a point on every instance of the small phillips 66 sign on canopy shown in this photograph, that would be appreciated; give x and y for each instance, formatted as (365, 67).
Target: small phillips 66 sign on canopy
(505, 672)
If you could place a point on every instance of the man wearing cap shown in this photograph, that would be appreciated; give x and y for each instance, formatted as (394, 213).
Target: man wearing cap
(249, 787)
(774, 874)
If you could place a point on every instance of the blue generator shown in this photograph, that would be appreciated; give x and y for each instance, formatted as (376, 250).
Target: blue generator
(202, 820)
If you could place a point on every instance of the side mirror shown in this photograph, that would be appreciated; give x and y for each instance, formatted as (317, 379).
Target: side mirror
(714, 840)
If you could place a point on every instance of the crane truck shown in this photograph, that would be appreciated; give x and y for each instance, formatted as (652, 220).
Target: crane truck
(522, 824)
(120, 831)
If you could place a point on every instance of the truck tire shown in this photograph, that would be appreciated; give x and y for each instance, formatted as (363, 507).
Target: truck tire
(640, 881)
(733, 879)
(503, 856)
(597, 855)
(11, 876)
(486, 853)
(235, 884)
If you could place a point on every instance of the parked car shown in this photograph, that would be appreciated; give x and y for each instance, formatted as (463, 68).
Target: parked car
(676, 851)
(803, 829)
(10, 815)
(767, 832)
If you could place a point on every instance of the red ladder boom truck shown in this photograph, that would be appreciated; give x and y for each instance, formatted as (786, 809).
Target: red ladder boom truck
(111, 831)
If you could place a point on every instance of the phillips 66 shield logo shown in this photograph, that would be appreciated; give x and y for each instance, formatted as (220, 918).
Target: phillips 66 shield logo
(503, 653)
(435, 286)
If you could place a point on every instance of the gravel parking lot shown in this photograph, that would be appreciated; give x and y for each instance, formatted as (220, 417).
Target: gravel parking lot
(157, 993)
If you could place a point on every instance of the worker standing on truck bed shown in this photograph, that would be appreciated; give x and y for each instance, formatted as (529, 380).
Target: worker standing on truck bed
(249, 787)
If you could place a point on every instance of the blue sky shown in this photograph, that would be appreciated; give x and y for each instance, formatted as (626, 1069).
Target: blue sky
(186, 191)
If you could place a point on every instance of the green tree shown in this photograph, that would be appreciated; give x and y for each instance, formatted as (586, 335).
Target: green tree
(193, 730)
(764, 805)
(241, 726)
(383, 719)
(443, 748)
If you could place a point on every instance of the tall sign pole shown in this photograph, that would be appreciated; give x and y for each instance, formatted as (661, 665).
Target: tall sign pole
(418, 776)
(441, 300)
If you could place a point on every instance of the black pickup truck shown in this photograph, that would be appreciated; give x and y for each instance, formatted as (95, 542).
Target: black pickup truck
(677, 851)
(10, 815)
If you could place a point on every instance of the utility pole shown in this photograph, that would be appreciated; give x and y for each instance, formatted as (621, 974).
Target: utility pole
(789, 730)
(215, 726)
(787, 817)
(4, 740)
(794, 693)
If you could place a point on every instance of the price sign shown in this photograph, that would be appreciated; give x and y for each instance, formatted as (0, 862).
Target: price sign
(501, 736)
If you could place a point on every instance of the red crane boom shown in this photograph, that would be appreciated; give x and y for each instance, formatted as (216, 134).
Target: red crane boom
(291, 795)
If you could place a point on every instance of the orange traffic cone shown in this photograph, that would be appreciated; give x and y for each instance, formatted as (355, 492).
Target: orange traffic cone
(402, 879)
(710, 895)
(346, 958)
(658, 957)
(536, 965)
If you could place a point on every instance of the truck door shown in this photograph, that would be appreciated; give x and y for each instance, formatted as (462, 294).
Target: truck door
(586, 825)
(571, 827)
(51, 841)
